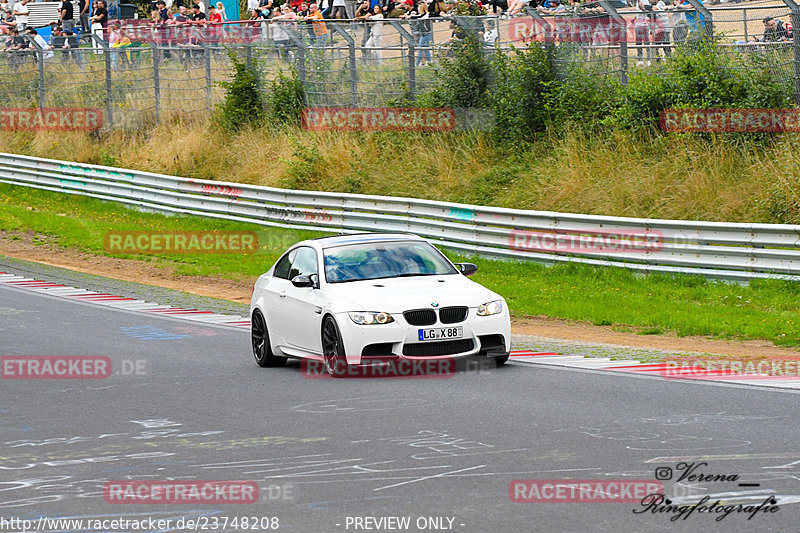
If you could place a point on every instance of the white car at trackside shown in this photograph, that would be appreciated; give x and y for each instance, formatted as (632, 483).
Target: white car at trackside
(350, 297)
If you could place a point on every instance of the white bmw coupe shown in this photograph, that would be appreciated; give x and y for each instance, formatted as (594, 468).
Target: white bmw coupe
(340, 299)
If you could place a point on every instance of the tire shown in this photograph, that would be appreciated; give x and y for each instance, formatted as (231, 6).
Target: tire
(259, 337)
(333, 349)
(500, 360)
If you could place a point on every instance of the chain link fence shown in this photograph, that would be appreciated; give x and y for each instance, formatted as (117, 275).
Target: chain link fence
(176, 71)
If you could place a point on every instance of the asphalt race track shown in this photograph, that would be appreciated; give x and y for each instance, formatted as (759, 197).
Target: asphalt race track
(185, 402)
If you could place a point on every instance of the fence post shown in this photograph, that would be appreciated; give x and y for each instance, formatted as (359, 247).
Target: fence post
(207, 58)
(744, 18)
(795, 46)
(539, 20)
(109, 95)
(707, 17)
(351, 46)
(301, 61)
(38, 53)
(412, 63)
(623, 41)
(156, 80)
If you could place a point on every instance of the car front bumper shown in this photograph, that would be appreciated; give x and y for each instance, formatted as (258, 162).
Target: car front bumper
(482, 335)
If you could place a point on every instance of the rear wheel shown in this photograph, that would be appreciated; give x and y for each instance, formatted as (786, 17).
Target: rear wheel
(333, 349)
(262, 350)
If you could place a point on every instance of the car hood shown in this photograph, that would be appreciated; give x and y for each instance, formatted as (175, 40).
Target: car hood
(395, 295)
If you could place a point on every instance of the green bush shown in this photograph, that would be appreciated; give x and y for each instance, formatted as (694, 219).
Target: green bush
(463, 77)
(285, 100)
(243, 105)
(702, 75)
(523, 79)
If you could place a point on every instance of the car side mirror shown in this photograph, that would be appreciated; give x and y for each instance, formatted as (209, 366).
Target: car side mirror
(302, 281)
(467, 269)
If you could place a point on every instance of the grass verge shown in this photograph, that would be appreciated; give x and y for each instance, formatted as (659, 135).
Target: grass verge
(685, 305)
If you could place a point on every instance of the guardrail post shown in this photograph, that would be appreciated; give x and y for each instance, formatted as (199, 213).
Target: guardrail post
(109, 94)
(351, 46)
(795, 46)
(412, 62)
(156, 80)
(623, 41)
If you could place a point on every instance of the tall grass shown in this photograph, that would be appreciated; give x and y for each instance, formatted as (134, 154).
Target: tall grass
(609, 172)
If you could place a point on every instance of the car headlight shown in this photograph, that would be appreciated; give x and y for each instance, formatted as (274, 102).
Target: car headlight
(491, 308)
(370, 317)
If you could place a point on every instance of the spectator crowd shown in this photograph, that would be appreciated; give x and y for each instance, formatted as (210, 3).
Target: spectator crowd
(654, 27)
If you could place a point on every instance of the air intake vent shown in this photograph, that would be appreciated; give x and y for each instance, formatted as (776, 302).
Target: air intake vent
(452, 315)
(420, 317)
(438, 348)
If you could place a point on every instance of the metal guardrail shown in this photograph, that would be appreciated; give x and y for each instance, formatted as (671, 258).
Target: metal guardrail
(713, 249)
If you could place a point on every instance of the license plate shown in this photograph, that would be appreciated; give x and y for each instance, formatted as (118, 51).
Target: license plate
(435, 334)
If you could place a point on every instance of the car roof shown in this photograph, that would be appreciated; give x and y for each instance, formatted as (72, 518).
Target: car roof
(338, 240)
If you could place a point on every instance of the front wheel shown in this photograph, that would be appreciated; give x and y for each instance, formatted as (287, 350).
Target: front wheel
(500, 360)
(333, 349)
(262, 350)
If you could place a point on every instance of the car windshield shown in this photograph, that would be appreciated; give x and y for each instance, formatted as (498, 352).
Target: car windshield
(375, 260)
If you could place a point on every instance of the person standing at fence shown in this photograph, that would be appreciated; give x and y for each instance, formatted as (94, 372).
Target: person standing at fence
(99, 20)
(338, 12)
(83, 15)
(283, 23)
(422, 30)
(375, 40)
(661, 27)
(362, 15)
(350, 8)
(214, 21)
(47, 50)
(641, 29)
(21, 15)
(66, 15)
(318, 25)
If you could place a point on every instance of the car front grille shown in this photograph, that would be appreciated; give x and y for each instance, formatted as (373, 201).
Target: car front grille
(438, 348)
(452, 315)
(420, 317)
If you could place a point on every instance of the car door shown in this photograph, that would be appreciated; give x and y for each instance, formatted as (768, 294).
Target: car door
(274, 296)
(302, 306)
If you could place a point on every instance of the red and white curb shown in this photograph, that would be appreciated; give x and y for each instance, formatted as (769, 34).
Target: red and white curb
(120, 302)
(662, 370)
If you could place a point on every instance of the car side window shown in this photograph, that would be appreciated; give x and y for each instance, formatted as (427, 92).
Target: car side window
(304, 263)
(282, 266)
